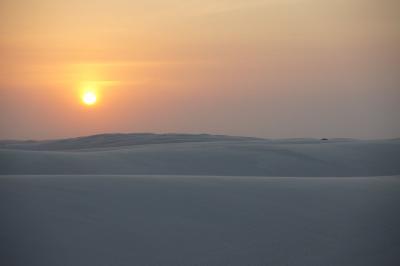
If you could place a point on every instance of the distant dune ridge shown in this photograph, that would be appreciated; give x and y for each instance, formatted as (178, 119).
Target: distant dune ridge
(114, 141)
(200, 154)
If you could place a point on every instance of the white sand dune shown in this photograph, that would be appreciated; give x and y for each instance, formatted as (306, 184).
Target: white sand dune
(114, 141)
(169, 220)
(197, 200)
(183, 154)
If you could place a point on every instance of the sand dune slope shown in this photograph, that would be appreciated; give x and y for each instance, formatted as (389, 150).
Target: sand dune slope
(201, 155)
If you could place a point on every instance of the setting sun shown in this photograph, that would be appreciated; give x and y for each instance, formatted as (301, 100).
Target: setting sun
(89, 98)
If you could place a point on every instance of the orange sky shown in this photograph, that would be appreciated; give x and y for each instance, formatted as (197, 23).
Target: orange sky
(268, 68)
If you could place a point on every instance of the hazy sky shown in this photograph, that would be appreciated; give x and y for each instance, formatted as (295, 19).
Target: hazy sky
(267, 68)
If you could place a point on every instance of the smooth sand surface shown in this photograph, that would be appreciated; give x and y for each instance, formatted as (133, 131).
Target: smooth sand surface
(186, 220)
(201, 155)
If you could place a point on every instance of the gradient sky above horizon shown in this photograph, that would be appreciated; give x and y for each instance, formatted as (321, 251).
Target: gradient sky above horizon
(265, 68)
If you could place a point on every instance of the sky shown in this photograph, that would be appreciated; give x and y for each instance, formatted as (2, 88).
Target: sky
(264, 68)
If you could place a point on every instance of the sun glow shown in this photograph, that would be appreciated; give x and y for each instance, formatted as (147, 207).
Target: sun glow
(89, 98)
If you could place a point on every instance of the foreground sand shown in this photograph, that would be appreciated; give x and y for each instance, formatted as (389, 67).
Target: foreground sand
(186, 220)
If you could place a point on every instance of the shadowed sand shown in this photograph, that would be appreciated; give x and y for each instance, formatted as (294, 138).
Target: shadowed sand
(206, 207)
(183, 154)
(169, 220)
